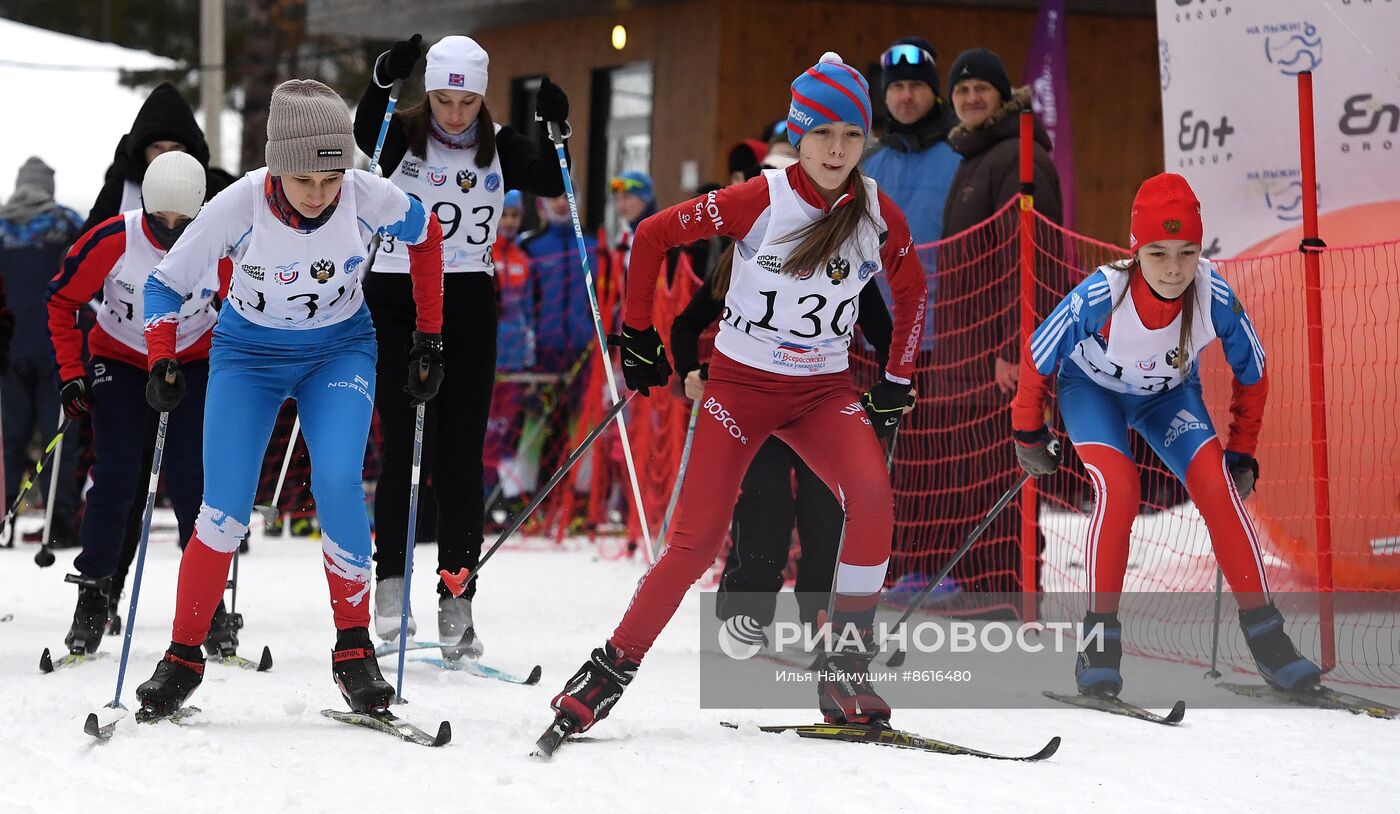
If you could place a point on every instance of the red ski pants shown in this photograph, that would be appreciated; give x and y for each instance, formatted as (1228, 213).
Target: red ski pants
(820, 417)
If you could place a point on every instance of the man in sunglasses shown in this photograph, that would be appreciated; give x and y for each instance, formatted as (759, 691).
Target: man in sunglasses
(915, 166)
(913, 163)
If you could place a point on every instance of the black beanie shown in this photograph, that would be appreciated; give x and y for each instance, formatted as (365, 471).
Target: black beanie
(926, 72)
(979, 63)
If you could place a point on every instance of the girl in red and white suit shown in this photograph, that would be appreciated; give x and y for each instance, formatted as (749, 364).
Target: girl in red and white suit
(807, 240)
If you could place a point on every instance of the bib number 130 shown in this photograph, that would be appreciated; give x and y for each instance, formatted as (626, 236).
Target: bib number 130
(813, 306)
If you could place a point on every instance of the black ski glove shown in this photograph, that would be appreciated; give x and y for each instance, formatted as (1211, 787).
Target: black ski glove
(551, 103)
(885, 403)
(166, 387)
(399, 63)
(1244, 470)
(1036, 451)
(644, 363)
(76, 395)
(425, 367)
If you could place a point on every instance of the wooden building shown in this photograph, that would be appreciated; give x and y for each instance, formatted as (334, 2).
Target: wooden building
(695, 76)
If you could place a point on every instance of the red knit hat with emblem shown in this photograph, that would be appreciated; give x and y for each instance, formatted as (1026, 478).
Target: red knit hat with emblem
(1165, 208)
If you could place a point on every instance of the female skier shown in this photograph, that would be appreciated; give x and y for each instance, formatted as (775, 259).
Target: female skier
(449, 154)
(1133, 332)
(809, 238)
(768, 505)
(115, 257)
(295, 326)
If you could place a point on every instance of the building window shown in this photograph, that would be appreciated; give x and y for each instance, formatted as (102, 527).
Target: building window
(621, 121)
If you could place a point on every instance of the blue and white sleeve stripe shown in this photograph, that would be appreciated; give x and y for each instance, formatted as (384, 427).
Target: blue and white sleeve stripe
(1238, 338)
(1068, 323)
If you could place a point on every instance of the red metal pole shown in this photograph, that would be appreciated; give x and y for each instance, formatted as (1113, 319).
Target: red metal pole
(1311, 247)
(1030, 501)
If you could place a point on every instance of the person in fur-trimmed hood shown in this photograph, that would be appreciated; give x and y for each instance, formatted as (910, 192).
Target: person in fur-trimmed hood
(986, 136)
(976, 318)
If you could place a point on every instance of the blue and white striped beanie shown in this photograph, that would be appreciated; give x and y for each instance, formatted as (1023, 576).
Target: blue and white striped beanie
(830, 91)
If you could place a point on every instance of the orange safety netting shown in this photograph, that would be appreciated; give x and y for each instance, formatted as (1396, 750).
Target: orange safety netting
(954, 458)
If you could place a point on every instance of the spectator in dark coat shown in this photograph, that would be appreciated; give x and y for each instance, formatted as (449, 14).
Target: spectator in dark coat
(987, 137)
(35, 233)
(164, 123)
(977, 317)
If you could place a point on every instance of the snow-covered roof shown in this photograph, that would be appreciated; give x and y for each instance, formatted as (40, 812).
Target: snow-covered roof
(63, 103)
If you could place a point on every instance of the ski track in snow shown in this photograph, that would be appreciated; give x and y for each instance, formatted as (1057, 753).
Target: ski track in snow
(261, 743)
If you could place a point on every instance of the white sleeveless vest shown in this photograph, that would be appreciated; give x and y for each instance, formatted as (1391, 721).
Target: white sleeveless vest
(123, 308)
(776, 322)
(467, 200)
(290, 279)
(1138, 359)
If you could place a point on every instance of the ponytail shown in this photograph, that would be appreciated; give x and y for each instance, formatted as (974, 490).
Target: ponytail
(719, 278)
(1183, 347)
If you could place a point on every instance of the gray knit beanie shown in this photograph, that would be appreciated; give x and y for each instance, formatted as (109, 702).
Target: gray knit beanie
(36, 174)
(308, 129)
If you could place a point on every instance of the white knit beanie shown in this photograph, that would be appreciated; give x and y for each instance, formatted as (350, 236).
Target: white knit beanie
(456, 63)
(308, 129)
(174, 183)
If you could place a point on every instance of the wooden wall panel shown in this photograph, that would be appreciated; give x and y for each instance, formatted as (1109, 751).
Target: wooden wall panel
(679, 39)
(1116, 102)
(1114, 86)
(722, 69)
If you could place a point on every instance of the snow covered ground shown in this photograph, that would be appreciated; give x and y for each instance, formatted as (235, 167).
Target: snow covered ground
(261, 743)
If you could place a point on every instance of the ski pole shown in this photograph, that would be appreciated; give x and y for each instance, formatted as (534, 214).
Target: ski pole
(270, 513)
(556, 135)
(680, 478)
(50, 451)
(897, 658)
(1215, 634)
(374, 160)
(116, 703)
(412, 537)
(457, 583)
(44, 557)
(131, 535)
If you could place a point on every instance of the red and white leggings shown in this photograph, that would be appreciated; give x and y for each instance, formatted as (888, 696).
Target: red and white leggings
(821, 418)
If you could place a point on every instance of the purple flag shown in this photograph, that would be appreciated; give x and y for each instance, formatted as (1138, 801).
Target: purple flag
(1047, 73)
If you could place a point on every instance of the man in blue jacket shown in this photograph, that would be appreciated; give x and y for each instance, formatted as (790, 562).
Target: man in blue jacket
(914, 164)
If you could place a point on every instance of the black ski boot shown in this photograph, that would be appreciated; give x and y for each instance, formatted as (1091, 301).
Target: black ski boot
(1279, 662)
(844, 692)
(589, 696)
(357, 673)
(222, 640)
(90, 616)
(114, 615)
(1096, 670)
(177, 676)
